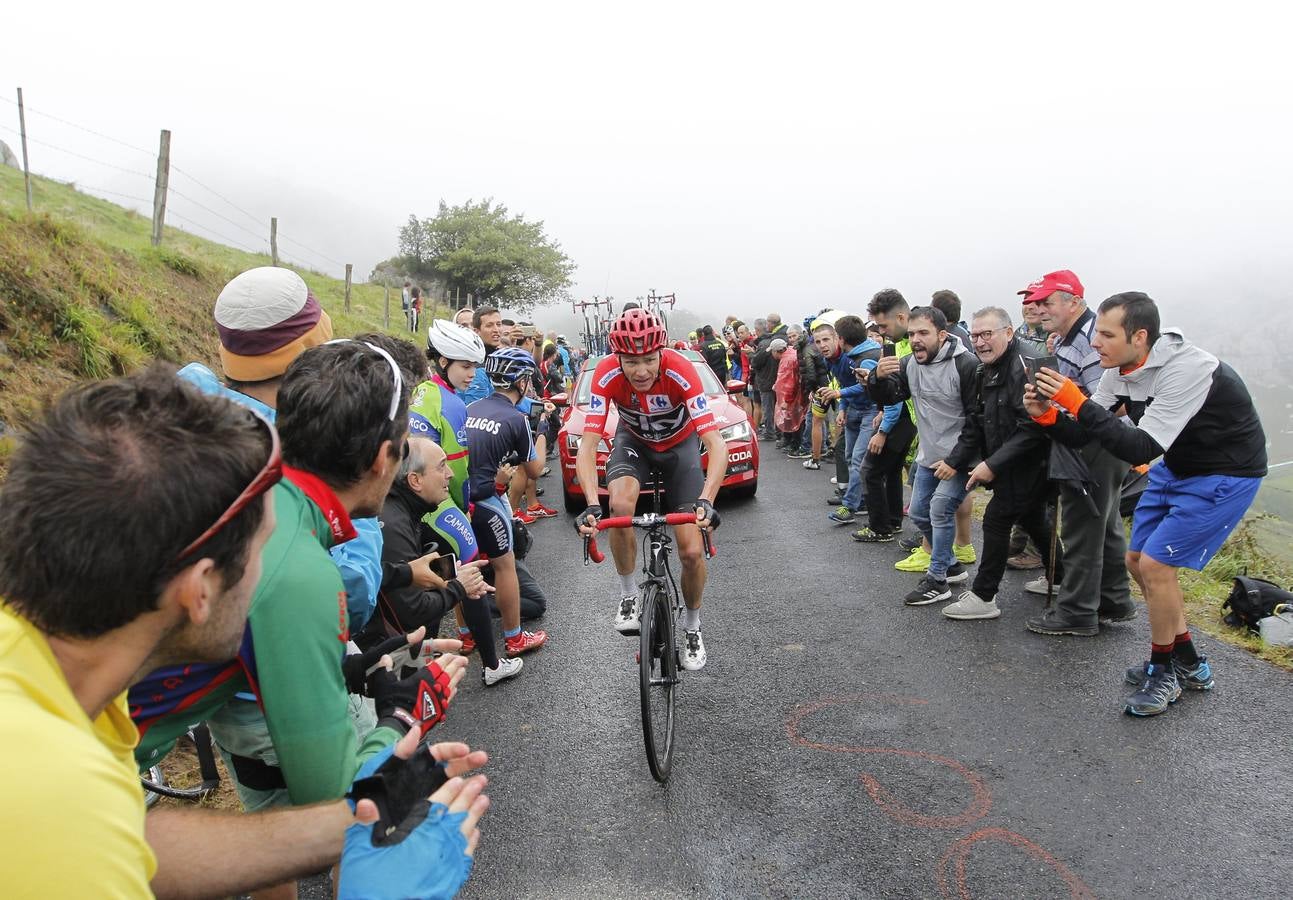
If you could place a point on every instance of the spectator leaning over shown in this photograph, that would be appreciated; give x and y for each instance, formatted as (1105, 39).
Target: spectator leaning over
(487, 322)
(814, 380)
(940, 376)
(858, 356)
(343, 420)
(1194, 411)
(949, 304)
(763, 378)
(887, 450)
(714, 350)
(420, 491)
(1014, 452)
(1096, 587)
(165, 576)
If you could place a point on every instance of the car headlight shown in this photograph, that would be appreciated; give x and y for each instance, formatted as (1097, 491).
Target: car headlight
(738, 432)
(572, 444)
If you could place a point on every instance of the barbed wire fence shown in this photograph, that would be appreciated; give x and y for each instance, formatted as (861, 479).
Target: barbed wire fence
(236, 227)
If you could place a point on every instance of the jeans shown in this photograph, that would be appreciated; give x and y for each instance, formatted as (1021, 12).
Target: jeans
(857, 435)
(933, 511)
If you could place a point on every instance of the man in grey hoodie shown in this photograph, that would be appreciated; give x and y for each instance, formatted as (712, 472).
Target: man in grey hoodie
(939, 376)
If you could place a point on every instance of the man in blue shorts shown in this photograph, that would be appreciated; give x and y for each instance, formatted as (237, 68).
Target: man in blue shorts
(1193, 410)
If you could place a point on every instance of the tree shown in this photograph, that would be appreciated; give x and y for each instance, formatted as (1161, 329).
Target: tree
(482, 249)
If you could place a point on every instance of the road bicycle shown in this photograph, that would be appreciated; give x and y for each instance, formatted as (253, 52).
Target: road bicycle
(661, 605)
(154, 782)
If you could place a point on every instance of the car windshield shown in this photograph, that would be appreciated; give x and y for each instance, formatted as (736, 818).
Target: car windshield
(584, 389)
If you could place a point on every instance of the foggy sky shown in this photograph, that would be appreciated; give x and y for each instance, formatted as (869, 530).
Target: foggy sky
(747, 157)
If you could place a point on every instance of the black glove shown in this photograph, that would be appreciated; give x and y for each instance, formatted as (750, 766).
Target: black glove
(400, 788)
(356, 666)
(419, 701)
(582, 519)
(703, 505)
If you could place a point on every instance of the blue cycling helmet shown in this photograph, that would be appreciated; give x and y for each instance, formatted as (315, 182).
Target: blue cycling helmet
(507, 365)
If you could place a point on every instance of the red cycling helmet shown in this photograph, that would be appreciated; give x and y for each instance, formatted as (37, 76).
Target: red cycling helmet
(636, 333)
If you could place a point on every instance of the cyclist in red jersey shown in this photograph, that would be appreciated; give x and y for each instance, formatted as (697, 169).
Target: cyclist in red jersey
(664, 417)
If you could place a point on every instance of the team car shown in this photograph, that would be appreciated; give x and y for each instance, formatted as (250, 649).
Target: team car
(742, 479)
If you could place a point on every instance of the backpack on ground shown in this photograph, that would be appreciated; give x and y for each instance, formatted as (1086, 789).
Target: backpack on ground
(1251, 600)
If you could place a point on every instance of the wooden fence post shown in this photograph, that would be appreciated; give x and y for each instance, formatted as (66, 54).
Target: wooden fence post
(386, 316)
(348, 268)
(159, 192)
(273, 239)
(26, 167)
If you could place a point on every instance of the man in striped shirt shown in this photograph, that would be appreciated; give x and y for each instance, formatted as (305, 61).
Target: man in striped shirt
(1096, 587)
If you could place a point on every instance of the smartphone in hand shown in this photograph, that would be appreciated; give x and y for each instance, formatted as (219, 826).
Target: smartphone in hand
(889, 350)
(1033, 365)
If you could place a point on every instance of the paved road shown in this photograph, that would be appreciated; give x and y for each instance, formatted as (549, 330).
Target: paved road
(841, 745)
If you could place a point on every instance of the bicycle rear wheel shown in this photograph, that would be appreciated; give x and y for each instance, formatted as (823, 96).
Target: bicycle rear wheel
(658, 679)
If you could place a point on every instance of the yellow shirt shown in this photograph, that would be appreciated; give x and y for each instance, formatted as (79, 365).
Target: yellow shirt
(72, 801)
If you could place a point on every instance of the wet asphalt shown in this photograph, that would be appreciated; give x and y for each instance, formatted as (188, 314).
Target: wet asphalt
(839, 744)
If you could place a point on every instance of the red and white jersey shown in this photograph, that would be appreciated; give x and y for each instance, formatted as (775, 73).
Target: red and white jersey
(661, 416)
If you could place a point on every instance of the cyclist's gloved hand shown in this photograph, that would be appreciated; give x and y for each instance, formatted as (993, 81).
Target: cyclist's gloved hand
(355, 667)
(418, 701)
(419, 846)
(581, 520)
(708, 513)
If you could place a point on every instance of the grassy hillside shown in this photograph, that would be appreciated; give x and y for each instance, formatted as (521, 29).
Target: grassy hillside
(84, 294)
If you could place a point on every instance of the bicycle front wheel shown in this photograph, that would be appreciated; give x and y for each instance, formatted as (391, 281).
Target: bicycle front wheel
(658, 679)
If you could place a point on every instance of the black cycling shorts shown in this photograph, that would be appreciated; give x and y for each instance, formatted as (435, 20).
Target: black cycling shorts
(492, 527)
(679, 467)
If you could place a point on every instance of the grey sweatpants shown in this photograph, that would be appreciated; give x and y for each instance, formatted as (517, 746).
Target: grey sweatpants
(1095, 547)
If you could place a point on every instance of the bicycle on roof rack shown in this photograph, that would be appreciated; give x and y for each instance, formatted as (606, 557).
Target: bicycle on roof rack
(661, 605)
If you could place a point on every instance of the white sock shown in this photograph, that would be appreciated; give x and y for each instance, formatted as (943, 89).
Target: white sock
(691, 619)
(628, 584)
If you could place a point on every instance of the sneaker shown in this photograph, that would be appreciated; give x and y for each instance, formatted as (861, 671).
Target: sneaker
(956, 573)
(927, 592)
(1038, 586)
(834, 480)
(1157, 692)
(523, 517)
(916, 561)
(546, 470)
(908, 544)
(507, 668)
(971, 606)
(1197, 677)
(835, 498)
(867, 536)
(539, 511)
(965, 553)
(811, 464)
(468, 644)
(828, 455)
(800, 454)
(693, 651)
(629, 615)
(1024, 561)
(525, 642)
(842, 516)
(1053, 622)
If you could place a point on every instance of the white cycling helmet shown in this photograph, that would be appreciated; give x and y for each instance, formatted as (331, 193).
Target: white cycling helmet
(455, 342)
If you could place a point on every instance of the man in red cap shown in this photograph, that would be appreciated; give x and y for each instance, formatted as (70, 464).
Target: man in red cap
(1096, 587)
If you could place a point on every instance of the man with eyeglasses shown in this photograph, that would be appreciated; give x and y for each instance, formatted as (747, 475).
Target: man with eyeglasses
(1096, 589)
(1014, 452)
(343, 418)
(158, 582)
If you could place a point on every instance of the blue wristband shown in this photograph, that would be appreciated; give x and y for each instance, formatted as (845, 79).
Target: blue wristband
(430, 862)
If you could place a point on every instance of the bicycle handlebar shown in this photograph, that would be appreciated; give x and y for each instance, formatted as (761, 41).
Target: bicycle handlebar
(593, 552)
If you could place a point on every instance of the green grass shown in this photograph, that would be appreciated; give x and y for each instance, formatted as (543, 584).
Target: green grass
(84, 294)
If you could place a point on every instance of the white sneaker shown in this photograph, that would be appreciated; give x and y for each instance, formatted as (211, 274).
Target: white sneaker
(629, 616)
(693, 651)
(834, 480)
(1038, 586)
(508, 667)
(971, 606)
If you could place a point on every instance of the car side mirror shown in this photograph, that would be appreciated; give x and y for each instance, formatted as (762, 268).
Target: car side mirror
(562, 399)
(735, 386)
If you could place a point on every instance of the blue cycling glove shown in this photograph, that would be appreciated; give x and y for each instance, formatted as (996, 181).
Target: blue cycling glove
(422, 854)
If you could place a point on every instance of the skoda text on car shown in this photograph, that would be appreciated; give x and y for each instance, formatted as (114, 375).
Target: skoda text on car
(742, 445)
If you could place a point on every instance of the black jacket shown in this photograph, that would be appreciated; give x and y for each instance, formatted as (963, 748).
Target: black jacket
(1013, 445)
(403, 608)
(763, 367)
(814, 371)
(715, 353)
